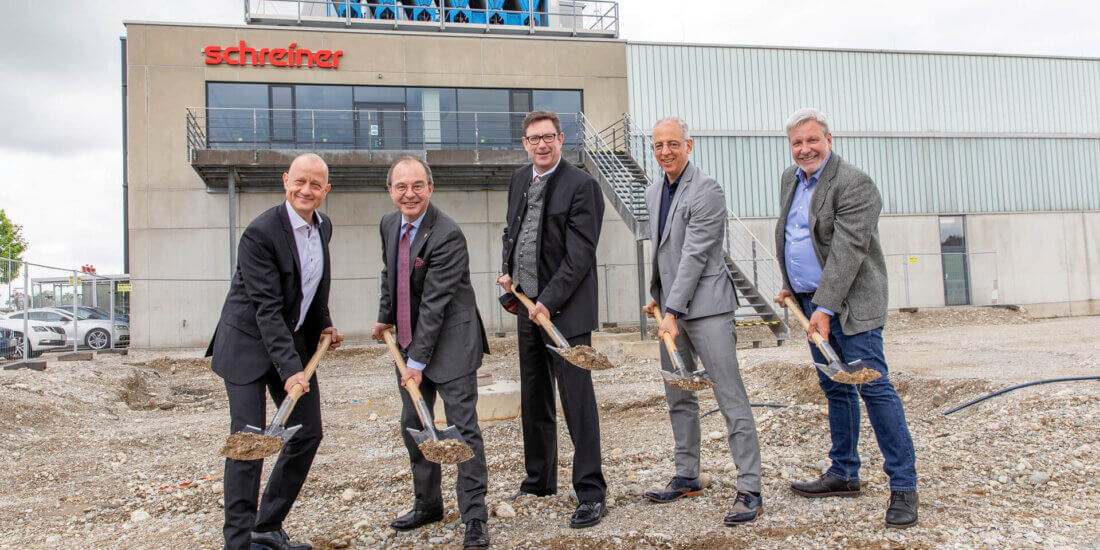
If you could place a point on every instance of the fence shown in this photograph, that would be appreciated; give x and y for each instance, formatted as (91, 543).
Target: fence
(49, 309)
(939, 279)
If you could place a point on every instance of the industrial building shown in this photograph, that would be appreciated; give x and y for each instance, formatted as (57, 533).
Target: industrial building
(983, 161)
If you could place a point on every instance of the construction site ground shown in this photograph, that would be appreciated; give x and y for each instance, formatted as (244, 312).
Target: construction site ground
(121, 451)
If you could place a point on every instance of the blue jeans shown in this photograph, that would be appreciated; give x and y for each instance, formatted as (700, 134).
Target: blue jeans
(883, 408)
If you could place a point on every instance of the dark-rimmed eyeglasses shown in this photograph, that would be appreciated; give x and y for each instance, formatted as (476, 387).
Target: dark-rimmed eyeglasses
(545, 138)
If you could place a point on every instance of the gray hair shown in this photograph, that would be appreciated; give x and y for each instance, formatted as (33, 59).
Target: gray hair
(805, 115)
(408, 158)
(677, 121)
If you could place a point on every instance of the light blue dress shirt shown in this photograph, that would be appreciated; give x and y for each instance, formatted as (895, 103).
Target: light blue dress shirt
(803, 270)
(410, 362)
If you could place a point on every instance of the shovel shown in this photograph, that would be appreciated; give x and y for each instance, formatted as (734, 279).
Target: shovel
(585, 357)
(444, 446)
(253, 443)
(682, 379)
(836, 370)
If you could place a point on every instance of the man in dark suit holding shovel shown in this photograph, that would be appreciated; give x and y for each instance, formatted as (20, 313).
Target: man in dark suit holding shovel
(426, 293)
(272, 320)
(555, 211)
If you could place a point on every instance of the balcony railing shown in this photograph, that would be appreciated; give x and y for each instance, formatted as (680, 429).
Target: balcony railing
(575, 18)
(361, 130)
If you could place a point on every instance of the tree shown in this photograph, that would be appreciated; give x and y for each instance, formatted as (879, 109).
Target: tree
(12, 244)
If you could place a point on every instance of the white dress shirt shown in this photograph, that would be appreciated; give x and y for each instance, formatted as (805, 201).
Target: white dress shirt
(311, 261)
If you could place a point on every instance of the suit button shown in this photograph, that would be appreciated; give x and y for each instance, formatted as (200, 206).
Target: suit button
(511, 240)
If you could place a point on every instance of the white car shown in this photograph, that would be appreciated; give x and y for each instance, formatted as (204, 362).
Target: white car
(43, 338)
(90, 333)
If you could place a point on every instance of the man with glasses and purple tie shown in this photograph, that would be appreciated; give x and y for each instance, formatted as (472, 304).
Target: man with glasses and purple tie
(555, 211)
(426, 293)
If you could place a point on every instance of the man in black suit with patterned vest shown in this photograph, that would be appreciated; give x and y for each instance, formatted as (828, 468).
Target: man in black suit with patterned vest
(271, 323)
(555, 211)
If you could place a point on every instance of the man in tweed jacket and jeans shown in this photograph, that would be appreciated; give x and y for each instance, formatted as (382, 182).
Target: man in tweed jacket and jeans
(826, 242)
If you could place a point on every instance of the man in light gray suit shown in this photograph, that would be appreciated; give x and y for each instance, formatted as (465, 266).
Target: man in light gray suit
(826, 242)
(694, 291)
(426, 293)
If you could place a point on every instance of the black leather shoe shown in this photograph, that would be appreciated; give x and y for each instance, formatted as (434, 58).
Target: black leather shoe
(521, 493)
(676, 489)
(746, 508)
(902, 511)
(477, 535)
(417, 518)
(277, 540)
(826, 486)
(587, 514)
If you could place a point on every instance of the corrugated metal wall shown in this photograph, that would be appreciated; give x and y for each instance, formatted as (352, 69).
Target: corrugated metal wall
(938, 132)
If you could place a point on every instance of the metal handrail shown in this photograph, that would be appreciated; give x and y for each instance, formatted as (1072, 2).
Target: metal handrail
(359, 129)
(603, 19)
(613, 170)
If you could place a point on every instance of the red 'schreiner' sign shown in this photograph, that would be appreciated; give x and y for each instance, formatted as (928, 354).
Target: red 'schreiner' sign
(291, 56)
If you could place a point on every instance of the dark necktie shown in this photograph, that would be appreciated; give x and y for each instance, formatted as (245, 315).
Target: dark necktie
(404, 317)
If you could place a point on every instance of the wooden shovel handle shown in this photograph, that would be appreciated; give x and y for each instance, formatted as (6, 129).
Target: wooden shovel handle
(322, 347)
(802, 320)
(670, 343)
(410, 384)
(544, 321)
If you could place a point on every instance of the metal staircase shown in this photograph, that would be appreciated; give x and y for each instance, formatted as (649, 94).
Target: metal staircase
(611, 156)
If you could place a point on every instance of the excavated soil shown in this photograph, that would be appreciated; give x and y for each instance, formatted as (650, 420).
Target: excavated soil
(861, 376)
(82, 469)
(446, 451)
(693, 383)
(250, 446)
(586, 357)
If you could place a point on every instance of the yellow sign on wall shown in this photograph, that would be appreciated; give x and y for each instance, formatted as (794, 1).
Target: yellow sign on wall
(912, 259)
(125, 287)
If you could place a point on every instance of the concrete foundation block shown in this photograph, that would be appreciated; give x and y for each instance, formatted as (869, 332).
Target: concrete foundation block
(641, 348)
(77, 356)
(495, 402)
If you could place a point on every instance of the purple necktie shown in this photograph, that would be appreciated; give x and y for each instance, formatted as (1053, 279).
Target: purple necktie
(404, 318)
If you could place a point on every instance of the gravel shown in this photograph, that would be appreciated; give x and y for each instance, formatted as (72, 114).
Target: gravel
(83, 469)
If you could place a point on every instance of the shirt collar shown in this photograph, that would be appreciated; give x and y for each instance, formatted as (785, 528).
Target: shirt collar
(817, 175)
(678, 178)
(545, 174)
(296, 221)
(415, 223)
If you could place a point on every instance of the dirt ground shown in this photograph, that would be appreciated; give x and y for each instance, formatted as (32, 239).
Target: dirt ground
(121, 452)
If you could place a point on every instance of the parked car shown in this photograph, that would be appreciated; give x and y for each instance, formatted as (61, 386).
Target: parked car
(44, 337)
(90, 333)
(89, 312)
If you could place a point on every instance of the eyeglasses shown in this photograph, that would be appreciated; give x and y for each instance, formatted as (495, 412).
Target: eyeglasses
(418, 187)
(670, 145)
(545, 138)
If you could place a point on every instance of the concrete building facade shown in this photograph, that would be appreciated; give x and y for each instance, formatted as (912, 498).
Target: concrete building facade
(998, 148)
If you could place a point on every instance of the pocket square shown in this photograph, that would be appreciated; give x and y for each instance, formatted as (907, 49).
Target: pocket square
(418, 263)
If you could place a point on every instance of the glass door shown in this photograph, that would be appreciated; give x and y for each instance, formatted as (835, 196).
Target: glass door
(380, 126)
(956, 266)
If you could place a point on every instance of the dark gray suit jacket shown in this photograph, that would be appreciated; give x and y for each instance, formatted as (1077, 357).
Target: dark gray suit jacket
(689, 272)
(448, 335)
(843, 216)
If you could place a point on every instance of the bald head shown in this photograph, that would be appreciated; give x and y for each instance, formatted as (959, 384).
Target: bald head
(306, 184)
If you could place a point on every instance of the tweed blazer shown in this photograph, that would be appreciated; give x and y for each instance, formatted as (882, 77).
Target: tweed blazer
(843, 220)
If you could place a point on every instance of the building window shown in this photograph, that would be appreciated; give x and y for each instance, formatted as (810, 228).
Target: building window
(310, 116)
(956, 263)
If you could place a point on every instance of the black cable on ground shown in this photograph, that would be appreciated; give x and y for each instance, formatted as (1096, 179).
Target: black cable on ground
(772, 405)
(1006, 390)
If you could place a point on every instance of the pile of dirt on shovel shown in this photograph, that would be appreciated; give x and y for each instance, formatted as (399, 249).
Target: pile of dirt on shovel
(446, 451)
(586, 357)
(250, 446)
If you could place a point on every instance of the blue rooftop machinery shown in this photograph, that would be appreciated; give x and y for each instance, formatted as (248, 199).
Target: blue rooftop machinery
(496, 12)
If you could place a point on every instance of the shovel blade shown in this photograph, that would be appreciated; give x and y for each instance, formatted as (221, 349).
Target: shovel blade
(419, 436)
(451, 432)
(853, 367)
(830, 370)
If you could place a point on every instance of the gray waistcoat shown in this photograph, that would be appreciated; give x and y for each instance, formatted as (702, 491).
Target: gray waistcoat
(525, 257)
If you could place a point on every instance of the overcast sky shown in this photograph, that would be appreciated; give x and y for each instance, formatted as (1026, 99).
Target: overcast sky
(60, 141)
